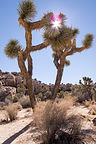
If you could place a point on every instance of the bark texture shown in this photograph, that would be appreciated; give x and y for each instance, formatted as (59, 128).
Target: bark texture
(60, 60)
(23, 55)
(57, 82)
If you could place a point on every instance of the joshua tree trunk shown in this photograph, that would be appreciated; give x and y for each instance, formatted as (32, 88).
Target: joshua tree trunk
(57, 82)
(27, 76)
(30, 91)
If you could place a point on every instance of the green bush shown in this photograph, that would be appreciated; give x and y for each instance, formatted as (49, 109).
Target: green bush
(25, 101)
(15, 99)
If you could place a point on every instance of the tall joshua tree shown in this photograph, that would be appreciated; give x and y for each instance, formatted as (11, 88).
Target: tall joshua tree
(27, 11)
(57, 34)
(63, 42)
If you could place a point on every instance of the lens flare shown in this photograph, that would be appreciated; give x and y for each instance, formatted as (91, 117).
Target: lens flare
(56, 24)
(56, 21)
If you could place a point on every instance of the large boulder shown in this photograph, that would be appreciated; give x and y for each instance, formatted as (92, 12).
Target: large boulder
(6, 92)
(10, 80)
(19, 80)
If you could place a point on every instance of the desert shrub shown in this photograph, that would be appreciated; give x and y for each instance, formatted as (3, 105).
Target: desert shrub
(52, 117)
(8, 99)
(81, 93)
(39, 96)
(48, 94)
(25, 101)
(21, 88)
(15, 99)
(18, 106)
(61, 94)
(11, 110)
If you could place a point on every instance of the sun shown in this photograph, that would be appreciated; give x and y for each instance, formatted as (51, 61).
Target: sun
(56, 24)
(56, 21)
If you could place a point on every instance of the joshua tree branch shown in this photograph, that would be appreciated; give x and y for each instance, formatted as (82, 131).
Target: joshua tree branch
(22, 22)
(31, 25)
(72, 51)
(22, 66)
(34, 48)
(30, 65)
(39, 47)
(63, 56)
(74, 44)
(56, 61)
(37, 25)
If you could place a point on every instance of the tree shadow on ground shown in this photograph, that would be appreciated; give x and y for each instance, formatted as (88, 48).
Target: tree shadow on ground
(13, 137)
(89, 131)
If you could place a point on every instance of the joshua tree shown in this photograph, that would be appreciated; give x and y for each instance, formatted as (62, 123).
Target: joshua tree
(26, 11)
(60, 37)
(87, 81)
(87, 86)
(63, 43)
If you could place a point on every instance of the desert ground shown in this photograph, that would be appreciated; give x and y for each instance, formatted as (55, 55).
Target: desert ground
(22, 131)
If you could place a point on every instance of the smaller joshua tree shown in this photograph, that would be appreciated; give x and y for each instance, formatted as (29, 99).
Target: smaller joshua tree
(86, 87)
(87, 81)
(63, 42)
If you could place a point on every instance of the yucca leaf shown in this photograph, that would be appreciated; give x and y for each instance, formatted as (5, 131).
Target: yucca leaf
(88, 40)
(26, 9)
(67, 62)
(58, 38)
(12, 48)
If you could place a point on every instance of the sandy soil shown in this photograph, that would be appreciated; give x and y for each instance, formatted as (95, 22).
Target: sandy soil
(21, 131)
(18, 127)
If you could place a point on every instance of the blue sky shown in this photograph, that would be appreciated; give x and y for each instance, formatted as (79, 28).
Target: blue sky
(80, 14)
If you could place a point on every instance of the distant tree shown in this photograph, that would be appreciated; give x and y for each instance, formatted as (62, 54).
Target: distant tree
(63, 42)
(85, 90)
(87, 81)
(27, 11)
(86, 86)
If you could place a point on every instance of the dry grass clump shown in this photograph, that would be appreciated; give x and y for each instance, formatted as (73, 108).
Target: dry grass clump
(52, 118)
(25, 102)
(11, 110)
(18, 106)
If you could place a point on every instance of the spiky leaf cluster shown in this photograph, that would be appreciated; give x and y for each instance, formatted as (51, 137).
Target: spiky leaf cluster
(67, 62)
(12, 48)
(26, 9)
(47, 18)
(88, 40)
(58, 38)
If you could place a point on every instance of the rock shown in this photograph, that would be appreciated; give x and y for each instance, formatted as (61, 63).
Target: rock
(6, 92)
(0, 72)
(94, 121)
(0, 83)
(2, 104)
(10, 80)
(18, 80)
(3, 93)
